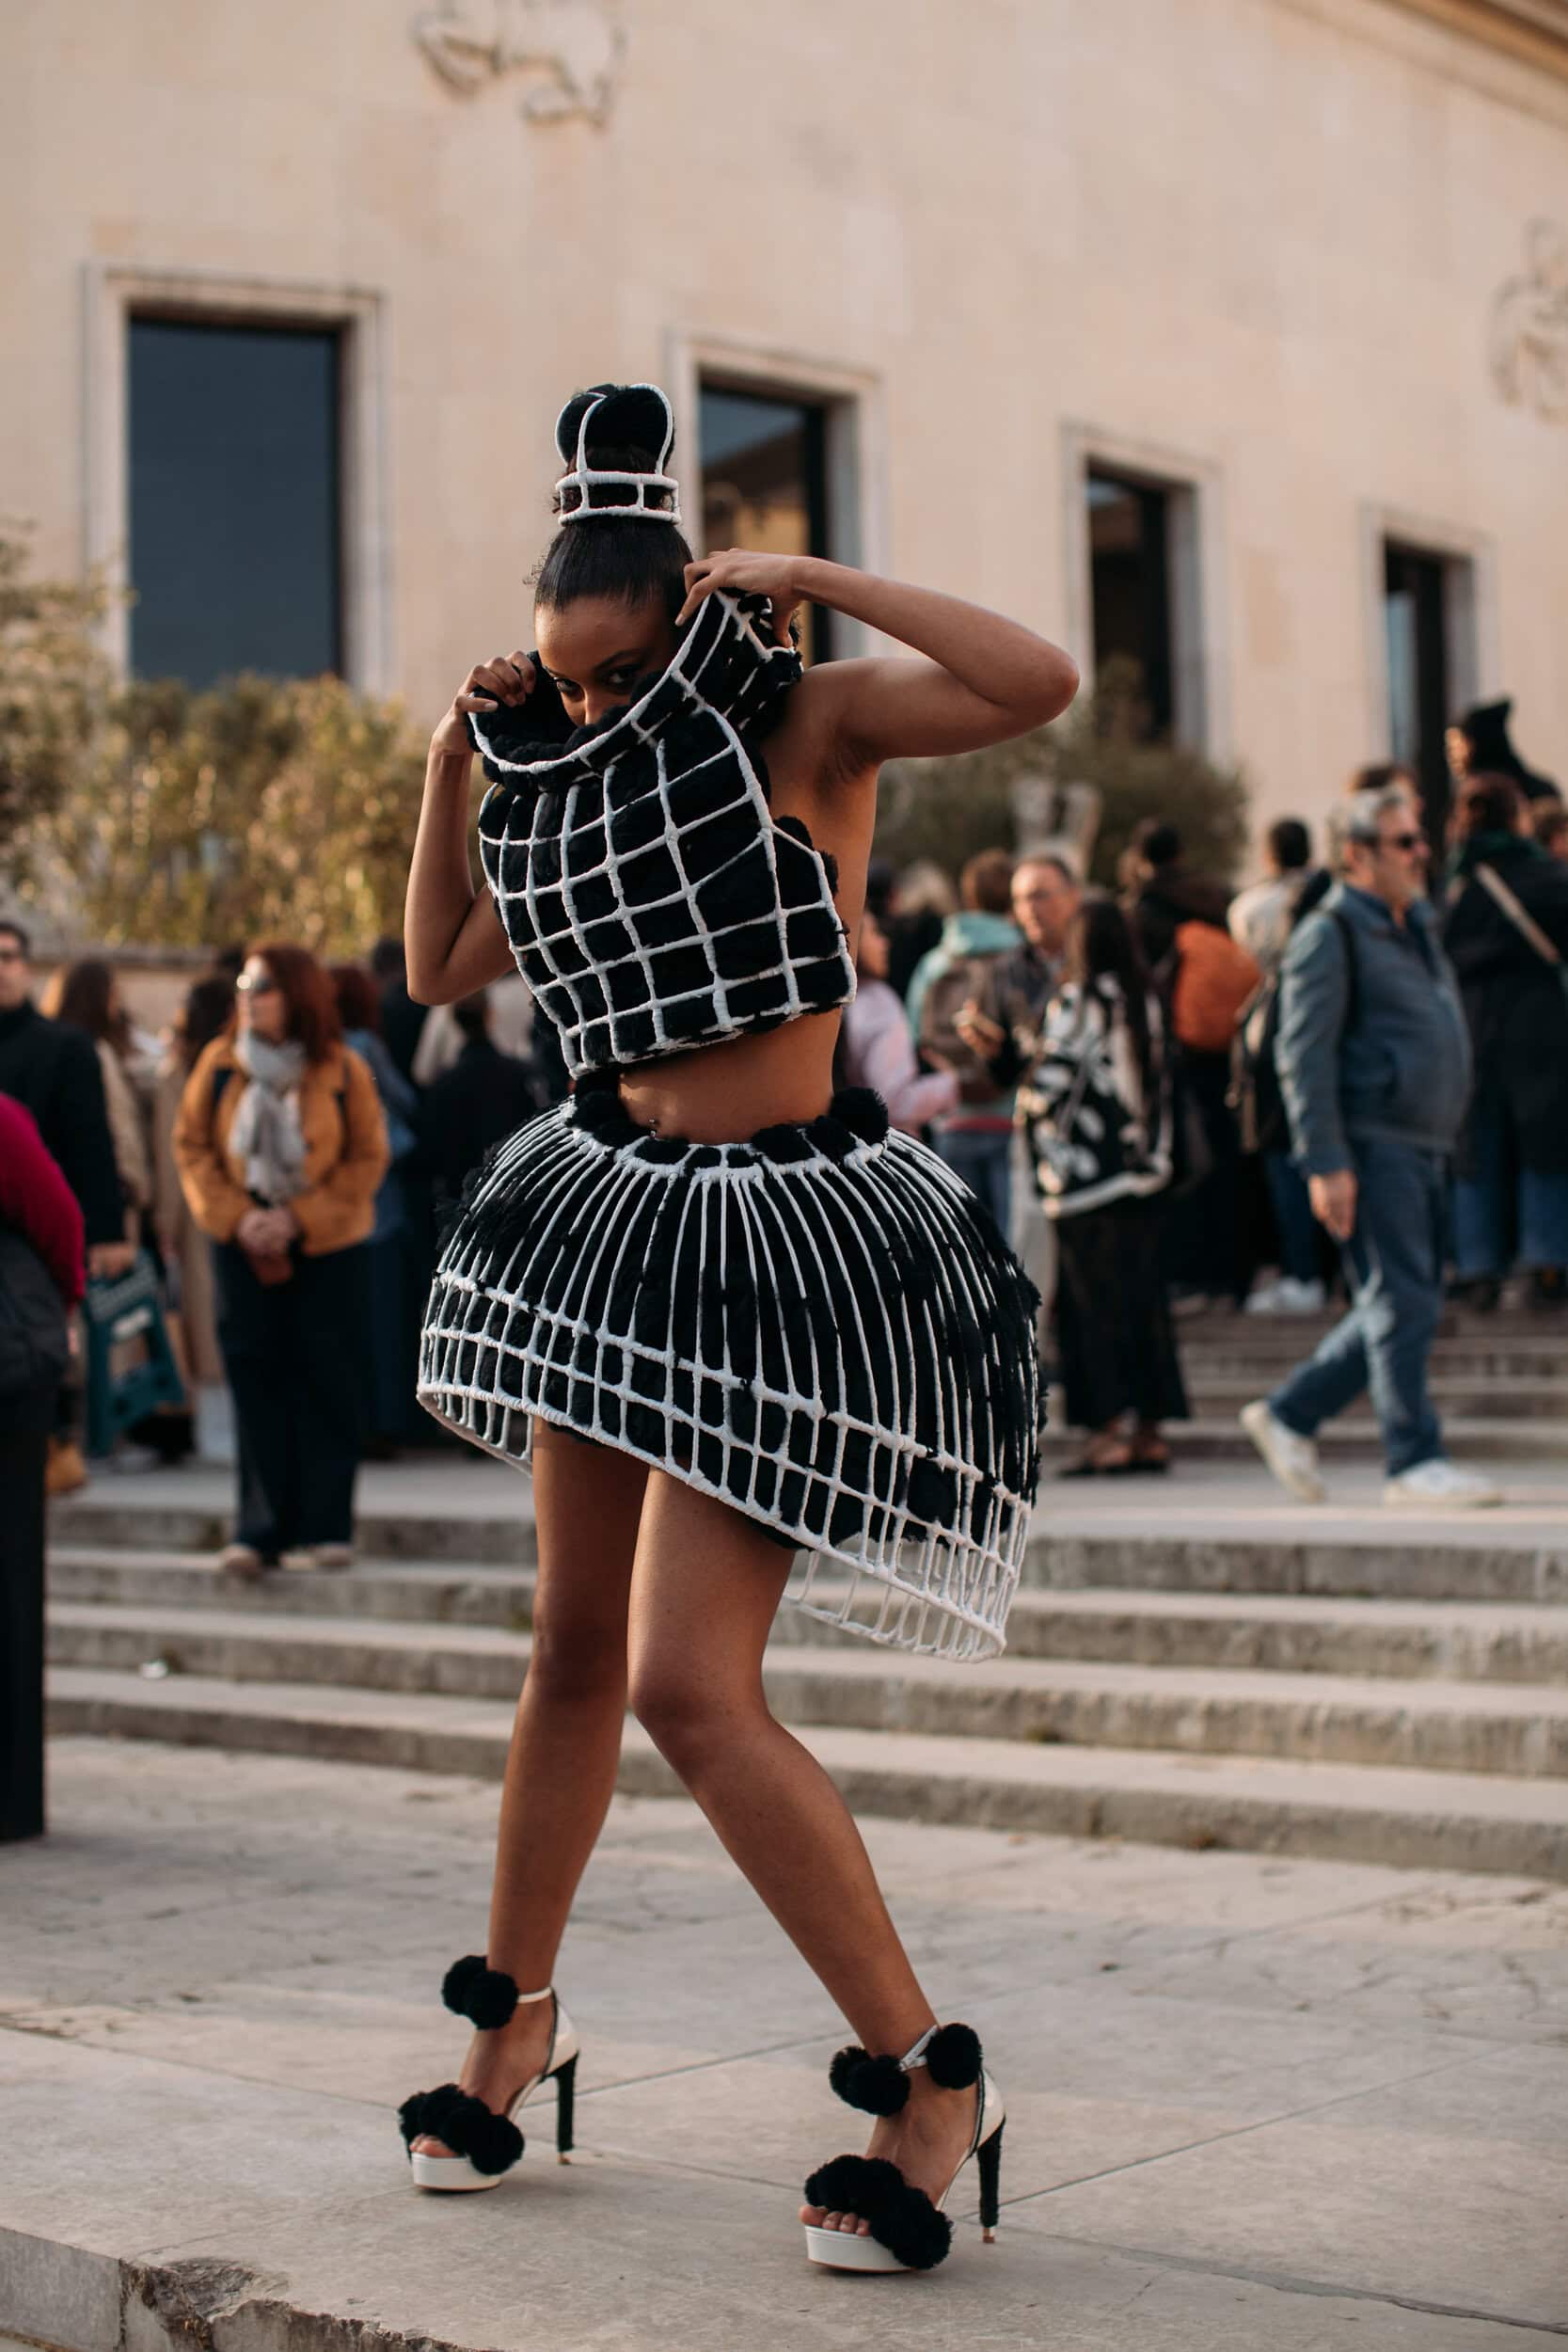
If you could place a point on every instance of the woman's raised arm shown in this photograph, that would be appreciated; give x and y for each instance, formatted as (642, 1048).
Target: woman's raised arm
(452, 940)
(983, 678)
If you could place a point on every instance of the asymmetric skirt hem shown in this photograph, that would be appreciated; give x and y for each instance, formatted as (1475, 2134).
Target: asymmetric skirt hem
(819, 1328)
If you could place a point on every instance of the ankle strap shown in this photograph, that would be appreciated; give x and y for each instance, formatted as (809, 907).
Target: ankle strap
(879, 2086)
(486, 1996)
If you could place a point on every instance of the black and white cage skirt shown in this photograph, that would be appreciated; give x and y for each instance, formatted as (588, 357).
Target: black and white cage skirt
(820, 1326)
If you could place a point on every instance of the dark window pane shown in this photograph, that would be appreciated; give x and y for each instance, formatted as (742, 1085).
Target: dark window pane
(765, 485)
(234, 495)
(1130, 579)
(1415, 623)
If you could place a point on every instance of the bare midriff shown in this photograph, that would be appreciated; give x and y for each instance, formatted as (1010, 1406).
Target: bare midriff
(723, 1094)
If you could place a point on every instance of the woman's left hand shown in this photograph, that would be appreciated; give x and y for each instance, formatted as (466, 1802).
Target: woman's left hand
(745, 575)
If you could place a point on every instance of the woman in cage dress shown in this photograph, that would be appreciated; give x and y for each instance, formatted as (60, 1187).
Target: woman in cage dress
(727, 1318)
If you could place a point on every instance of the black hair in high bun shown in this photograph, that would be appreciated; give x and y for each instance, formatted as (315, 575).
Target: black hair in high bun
(629, 560)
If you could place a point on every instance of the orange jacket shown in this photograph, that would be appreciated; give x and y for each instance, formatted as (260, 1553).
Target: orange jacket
(345, 1148)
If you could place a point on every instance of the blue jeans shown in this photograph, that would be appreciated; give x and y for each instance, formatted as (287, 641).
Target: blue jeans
(983, 1160)
(1394, 1267)
(1504, 1213)
(1295, 1223)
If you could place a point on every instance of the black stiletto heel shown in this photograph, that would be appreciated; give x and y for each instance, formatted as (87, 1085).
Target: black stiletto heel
(907, 2232)
(566, 2107)
(987, 2156)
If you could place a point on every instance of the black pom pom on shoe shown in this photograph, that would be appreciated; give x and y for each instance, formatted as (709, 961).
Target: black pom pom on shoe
(953, 2058)
(486, 1996)
(876, 2086)
(902, 2218)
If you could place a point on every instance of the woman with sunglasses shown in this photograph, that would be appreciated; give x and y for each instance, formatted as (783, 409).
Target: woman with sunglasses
(281, 1144)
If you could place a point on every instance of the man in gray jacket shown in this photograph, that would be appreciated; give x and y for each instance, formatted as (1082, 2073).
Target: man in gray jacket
(1374, 1065)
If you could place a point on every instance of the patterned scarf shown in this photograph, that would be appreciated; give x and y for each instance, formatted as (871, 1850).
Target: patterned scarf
(267, 1142)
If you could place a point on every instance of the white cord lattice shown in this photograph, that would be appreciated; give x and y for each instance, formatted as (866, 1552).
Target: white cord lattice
(650, 900)
(835, 1343)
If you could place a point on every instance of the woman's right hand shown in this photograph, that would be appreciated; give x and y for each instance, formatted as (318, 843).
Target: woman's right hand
(504, 678)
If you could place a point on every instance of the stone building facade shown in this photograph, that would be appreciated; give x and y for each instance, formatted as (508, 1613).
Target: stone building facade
(1233, 332)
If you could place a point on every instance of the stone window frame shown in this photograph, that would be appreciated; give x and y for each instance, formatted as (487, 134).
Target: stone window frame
(113, 294)
(1469, 558)
(1200, 606)
(855, 433)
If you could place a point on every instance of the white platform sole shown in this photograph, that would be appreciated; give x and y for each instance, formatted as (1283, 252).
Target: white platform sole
(451, 2172)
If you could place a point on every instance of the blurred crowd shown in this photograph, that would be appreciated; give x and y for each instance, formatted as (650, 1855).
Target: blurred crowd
(268, 1178)
(1171, 1097)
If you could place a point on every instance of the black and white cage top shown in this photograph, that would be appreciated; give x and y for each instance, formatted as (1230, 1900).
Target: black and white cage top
(651, 900)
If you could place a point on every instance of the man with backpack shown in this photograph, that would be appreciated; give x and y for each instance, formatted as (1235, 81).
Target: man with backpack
(1373, 1063)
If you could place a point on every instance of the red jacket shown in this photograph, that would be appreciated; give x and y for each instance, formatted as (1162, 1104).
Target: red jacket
(37, 1201)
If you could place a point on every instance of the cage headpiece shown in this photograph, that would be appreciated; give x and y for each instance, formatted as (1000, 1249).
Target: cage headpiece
(619, 415)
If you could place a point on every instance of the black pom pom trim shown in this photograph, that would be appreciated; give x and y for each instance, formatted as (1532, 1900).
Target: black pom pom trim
(875, 2085)
(486, 1996)
(491, 2142)
(863, 1112)
(953, 2058)
(902, 2218)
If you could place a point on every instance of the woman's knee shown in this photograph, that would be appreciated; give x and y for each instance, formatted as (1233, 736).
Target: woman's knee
(581, 1662)
(690, 1719)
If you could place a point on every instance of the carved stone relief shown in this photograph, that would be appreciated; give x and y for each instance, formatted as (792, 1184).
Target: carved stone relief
(571, 49)
(1530, 326)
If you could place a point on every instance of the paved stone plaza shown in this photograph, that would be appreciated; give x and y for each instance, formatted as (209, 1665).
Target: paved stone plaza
(1254, 2102)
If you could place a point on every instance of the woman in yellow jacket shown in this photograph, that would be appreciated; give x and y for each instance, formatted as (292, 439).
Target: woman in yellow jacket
(280, 1146)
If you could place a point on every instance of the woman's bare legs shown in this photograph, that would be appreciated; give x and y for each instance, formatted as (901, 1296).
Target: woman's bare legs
(705, 1590)
(565, 1741)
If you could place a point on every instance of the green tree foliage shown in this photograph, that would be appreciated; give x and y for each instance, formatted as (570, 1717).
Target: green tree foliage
(164, 818)
(53, 681)
(261, 807)
(948, 809)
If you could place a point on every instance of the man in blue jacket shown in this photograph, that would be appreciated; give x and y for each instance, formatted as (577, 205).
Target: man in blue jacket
(1374, 1065)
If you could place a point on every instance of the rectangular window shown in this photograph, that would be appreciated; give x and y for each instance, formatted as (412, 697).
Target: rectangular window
(765, 484)
(1419, 592)
(1130, 586)
(236, 467)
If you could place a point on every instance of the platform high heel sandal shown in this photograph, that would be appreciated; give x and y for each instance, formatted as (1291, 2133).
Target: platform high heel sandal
(906, 2231)
(486, 2144)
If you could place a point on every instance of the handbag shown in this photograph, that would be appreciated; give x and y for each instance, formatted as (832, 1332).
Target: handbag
(1523, 922)
(35, 1334)
(270, 1266)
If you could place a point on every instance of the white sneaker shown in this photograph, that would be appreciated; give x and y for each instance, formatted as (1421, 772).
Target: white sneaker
(1440, 1484)
(1287, 1296)
(1293, 1460)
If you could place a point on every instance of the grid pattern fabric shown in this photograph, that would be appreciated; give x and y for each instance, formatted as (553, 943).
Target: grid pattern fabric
(651, 901)
(818, 1326)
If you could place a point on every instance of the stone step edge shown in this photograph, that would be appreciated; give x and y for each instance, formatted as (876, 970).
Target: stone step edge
(868, 1662)
(1349, 1813)
(1467, 1641)
(283, 1593)
(60, 2298)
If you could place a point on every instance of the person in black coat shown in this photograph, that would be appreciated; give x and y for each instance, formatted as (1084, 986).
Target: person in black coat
(1510, 1188)
(53, 1071)
(486, 1096)
(1206, 1259)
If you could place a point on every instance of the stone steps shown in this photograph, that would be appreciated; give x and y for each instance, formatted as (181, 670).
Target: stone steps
(1220, 1389)
(1430, 1726)
(1427, 1819)
(1474, 1557)
(1216, 1437)
(1475, 1641)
